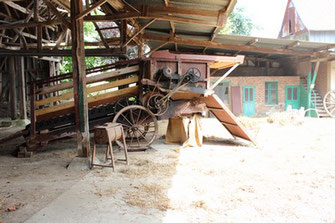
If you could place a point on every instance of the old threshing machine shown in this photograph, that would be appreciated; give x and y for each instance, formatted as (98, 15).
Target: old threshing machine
(135, 93)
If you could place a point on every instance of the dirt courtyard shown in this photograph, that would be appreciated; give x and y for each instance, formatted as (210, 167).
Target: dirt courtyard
(288, 177)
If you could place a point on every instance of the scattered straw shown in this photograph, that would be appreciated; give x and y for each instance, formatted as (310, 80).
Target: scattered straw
(200, 204)
(148, 196)
(106, 192)
(286, 118)
(146, 167)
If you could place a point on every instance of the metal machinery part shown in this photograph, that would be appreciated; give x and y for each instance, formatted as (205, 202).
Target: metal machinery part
(193, 74)
(139, 124)
(310, 110)
(158, 103)
(329, 103)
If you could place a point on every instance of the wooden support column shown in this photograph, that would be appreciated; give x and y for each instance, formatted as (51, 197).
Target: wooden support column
(79, 79)
(12, 88)
(21, 74)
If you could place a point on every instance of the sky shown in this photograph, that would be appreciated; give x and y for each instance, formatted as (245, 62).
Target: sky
(266, 14)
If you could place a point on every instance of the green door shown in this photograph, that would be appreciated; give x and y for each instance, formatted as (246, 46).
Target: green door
(292, 96)
(248, 100)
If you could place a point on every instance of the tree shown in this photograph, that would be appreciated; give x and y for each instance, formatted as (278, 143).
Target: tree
(238, 23)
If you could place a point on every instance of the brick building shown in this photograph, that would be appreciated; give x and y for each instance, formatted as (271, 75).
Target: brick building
(253, 90)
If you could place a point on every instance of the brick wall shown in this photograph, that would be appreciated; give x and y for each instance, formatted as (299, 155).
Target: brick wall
(259, 83)
(321, 81)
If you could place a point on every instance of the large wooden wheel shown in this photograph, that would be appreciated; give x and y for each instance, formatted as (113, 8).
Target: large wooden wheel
(124, 102)
(139, 124)
(329, 103)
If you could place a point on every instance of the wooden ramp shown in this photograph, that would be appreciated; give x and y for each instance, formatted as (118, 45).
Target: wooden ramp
(226, 117)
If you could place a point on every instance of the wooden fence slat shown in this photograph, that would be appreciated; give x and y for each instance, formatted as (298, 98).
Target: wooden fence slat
(89, 90)
(91, 79)
(90, 99)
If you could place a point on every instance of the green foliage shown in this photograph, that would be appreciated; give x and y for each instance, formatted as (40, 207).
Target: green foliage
(90, 35)
(66, 66)
(238, 23)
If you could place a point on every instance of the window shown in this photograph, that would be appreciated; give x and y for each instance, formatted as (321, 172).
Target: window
(271, 92)
(222, 90)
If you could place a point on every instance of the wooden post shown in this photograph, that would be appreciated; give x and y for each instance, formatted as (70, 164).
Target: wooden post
(79, 79)
(32, 108)
(21, 74)
(12, 82)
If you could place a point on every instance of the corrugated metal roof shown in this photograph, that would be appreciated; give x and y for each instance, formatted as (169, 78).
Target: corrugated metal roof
(305, 47)
(183, 27)
(316, 15)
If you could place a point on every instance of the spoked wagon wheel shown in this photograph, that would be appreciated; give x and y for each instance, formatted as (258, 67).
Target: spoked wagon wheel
(124, 102)
(140, 126)
(329, 103)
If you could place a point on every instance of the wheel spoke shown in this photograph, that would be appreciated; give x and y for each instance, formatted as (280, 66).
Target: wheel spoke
(127, 120)
(143, 136)
(138, 117)
(144, 120)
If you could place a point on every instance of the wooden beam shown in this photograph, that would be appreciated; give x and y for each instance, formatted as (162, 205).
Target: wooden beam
(222, 18)
(79, 79)
(17, 7)
(139, 31)
(63, 3)
(57, 13)
(60, 39)
(30, 24)
(114, 52)
(12, 89)
(293, 45)
(156, 48)
(97, 28)
(88, 10)
(21, 74)
(253, 42)
(182, 11)
(135, 15)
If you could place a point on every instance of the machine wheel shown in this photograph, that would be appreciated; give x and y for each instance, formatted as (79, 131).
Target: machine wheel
(156, 105)
(329, 103)
(139, 124)
(194, 74)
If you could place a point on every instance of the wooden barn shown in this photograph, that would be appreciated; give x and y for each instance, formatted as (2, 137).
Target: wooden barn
(37, 35)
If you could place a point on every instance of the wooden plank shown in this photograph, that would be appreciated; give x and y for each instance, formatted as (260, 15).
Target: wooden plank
(183, 11)
(139, 31)
(89, 90)
(21, 74)
(79, 79)
(92, 79)
(12, 82)
(57, 13)
(88, 10)
(226, 117)
(93, 99)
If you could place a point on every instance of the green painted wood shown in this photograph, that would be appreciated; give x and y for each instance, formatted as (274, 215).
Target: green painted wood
(248, 100)
(292, 96)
